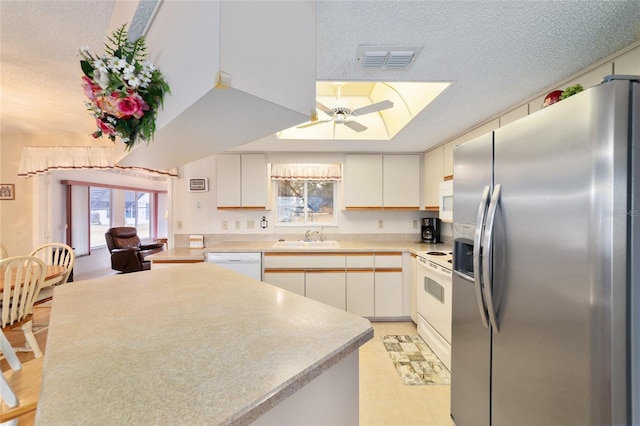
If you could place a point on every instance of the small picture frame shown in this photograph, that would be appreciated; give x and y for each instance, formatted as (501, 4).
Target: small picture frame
(7, 191)
(198, 185)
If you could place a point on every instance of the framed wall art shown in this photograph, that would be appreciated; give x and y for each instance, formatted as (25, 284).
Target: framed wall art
(198, 185)
(7, 191)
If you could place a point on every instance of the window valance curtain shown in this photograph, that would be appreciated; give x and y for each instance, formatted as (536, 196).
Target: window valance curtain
(283, 171)
(39, 160)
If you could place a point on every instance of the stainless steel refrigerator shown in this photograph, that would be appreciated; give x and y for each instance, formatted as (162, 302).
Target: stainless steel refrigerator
(546, 282)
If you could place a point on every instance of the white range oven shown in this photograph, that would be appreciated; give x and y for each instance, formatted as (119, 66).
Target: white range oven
(434, 302)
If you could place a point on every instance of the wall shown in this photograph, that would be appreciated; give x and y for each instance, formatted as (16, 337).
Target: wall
(197, 213)
(18, 218)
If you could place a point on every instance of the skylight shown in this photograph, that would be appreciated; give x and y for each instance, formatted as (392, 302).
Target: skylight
(340, 98)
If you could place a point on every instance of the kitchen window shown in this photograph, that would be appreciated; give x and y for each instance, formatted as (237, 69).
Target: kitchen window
(306, 193)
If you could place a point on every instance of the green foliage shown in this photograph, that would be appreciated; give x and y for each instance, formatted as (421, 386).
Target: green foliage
(571, 90)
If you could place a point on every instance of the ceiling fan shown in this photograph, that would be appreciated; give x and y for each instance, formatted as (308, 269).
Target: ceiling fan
(342, 114)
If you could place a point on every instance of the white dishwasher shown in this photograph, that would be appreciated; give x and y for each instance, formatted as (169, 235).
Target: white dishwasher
(249, 264)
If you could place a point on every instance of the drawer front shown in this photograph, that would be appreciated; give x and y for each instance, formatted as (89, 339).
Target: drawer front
(360, 260)
(304, 260)
(388, 260)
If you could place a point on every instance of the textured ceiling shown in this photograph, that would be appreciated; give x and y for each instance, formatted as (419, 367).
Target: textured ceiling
(39, 65)
(496, 53)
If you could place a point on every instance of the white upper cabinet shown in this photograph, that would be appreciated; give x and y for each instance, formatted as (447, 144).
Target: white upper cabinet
(433, 175)
(241, 181)
(447, 158)
(382, 181)
(401, 182)
(363, 182)
(629, 63)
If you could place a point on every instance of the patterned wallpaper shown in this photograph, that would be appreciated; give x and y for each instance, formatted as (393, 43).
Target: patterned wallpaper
(15, 215)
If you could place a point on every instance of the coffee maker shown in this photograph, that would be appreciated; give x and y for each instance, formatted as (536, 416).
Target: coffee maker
(430, 230)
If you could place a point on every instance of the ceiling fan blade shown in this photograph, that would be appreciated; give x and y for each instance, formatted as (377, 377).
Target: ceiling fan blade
(313, 123)
(354, 125)
(378, 106)
(324, 108)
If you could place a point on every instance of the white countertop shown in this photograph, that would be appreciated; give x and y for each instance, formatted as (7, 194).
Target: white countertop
(192, 344)
(186, 254)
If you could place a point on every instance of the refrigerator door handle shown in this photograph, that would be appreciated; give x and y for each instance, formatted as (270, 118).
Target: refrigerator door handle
(477, 253)
(487, 242)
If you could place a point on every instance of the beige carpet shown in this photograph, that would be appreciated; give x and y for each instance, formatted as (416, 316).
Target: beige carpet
(415, 363)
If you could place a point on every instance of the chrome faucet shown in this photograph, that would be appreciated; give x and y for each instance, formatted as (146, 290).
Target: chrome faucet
(307, 235)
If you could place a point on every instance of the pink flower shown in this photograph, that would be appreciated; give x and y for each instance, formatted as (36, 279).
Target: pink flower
(109, 105)
(105, 128)
(90, 89)
(132, 105)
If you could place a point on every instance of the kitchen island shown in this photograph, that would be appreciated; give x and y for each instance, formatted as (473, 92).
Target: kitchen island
(197, 344)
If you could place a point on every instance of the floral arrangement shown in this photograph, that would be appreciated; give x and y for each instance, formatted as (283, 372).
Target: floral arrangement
(125, 89)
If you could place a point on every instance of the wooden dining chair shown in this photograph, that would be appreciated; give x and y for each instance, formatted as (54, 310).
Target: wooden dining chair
(56, 254)
(20, 280)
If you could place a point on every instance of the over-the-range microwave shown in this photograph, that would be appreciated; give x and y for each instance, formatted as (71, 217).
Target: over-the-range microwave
(446, 201)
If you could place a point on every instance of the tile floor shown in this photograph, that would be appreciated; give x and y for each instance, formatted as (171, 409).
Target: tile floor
(384, 399)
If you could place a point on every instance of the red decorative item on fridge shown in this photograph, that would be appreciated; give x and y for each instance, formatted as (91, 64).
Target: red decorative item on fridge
(552, 98)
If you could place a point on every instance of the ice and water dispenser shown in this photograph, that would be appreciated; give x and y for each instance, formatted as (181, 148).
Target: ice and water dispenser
(463, 256)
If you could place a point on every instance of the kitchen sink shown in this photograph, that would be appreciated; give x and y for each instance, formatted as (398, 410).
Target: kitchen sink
(304, 244)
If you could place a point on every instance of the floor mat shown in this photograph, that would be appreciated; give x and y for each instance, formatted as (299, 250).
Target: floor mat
(416, 364)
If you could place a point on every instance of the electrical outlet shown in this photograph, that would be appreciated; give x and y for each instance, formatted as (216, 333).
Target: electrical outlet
(380, 225)
(237, 224)
(225, 225)
(415, 224)
(179, 224)
(251, 224)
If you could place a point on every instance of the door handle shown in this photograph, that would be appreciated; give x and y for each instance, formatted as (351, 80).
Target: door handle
(487, 257)
(477, 250)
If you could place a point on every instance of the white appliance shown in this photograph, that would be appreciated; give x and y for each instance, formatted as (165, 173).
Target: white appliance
(434, 302)
(249, 264)
(446, 201)
(546, 277)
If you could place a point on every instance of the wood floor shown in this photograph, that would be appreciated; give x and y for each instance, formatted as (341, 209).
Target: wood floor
(16, 338)
(384, 399)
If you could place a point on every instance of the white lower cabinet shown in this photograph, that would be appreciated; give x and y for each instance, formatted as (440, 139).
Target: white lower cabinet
(360, 290)
(388, 285)
(366, 283)
(388, 294)
(327, 287)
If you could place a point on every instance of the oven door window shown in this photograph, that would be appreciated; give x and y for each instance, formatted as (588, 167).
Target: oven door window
(434, 289)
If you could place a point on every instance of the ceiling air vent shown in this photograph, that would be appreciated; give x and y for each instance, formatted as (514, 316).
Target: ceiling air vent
(387, 57)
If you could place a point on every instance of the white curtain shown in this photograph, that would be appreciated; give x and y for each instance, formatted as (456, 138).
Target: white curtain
(281, 171)
(80, 219)
(37, 160)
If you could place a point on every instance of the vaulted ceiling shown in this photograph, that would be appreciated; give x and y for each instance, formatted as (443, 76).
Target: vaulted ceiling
(496, 54)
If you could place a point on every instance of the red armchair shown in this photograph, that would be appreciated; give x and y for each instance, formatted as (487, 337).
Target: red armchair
(127, 252)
